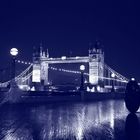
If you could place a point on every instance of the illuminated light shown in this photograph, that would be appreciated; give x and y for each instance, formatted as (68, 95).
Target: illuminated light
(21, 87)
(113, 75)
(77, 57)
(22, 62)
(26, 63)
(33, 88)
(132, 79)
(82, 67)
(86, 81)
(14, 51)
(98, 88)
(93, 89)
(88, 89)
(63, 57)
(93, 79)
(36, 74)
(80, 132)
(112, 115)
(24, 87)
(18, 61)
(50, 90)
(51, 58)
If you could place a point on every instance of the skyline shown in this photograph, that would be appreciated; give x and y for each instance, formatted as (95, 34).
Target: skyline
(70, 27)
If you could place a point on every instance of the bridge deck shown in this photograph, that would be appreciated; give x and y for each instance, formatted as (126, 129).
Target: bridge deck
(66, 60)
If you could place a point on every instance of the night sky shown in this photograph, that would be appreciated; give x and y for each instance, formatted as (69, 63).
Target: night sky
(67, 27)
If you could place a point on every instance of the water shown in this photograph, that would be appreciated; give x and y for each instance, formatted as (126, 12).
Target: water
(102, 120)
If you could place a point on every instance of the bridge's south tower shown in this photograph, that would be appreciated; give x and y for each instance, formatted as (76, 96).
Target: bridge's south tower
(96, 65)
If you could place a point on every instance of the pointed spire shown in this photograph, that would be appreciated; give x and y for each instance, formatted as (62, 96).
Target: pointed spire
(97, 44)
(43, 54)
(41, 49)
(90, 45)
(47, 54)
(34, 50)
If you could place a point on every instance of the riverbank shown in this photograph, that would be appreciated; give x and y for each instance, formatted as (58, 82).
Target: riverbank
(45, 97)
(69, 97)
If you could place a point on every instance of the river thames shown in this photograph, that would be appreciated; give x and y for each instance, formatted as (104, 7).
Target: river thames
(100, 120)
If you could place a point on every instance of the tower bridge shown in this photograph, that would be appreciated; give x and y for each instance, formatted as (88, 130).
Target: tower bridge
(99, 73)
(95, 59)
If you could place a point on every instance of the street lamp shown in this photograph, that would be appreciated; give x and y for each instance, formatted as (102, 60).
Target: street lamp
(82, 68)
(113, 76)
(132, 79)
(14, 53)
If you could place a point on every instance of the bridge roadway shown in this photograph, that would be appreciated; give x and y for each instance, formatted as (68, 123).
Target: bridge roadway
(64, 59)
(102, 120)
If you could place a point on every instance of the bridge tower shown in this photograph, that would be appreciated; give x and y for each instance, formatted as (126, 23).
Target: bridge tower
(40, 66)
(44, 67)
(96, 64)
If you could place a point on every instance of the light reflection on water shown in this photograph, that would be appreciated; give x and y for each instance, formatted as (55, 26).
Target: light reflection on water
(62, 121)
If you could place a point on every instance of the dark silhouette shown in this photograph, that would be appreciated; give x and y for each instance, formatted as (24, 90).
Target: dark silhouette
(132, 96)
(132, 127)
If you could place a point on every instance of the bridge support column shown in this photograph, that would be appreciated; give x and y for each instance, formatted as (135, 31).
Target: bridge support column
(44, 72)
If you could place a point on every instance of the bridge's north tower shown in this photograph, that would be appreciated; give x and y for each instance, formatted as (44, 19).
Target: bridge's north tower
(40, 68)
(96, 65)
